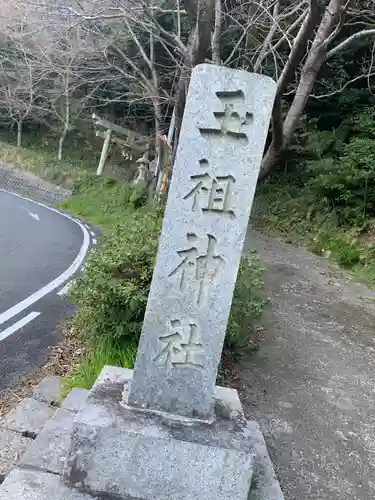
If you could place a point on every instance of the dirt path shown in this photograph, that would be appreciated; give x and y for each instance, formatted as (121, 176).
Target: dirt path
(312, 384)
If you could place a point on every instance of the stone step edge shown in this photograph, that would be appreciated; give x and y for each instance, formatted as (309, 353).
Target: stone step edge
(47, 398)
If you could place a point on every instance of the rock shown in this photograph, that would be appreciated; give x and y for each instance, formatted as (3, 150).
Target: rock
(24, 484)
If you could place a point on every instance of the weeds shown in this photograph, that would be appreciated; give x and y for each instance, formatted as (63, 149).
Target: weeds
(95, 358)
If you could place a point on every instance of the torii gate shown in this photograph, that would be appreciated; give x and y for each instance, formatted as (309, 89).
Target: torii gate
(130, 139)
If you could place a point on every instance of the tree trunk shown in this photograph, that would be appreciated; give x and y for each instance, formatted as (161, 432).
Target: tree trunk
(19, 133)
(202, 13)
(216, 36)
(182, 85)
(61, 143)
(158, 146)
(66, 118)
(314, 61)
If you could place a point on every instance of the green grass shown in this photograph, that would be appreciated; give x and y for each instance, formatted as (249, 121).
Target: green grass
(38, 155)
(94, 360)
(104, 202)
(285, 211)
(107, 203)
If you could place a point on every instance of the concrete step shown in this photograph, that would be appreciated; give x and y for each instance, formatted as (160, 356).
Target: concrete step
(31, 414)
(12, 447)
(23, 484)
(36, 433)
(28, 417)
(50, 449)
(75, 399)
(49, 391)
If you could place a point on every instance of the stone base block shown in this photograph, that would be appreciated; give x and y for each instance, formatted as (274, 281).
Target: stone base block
(75, 399)
(132, 453)
(28, 417)
(48, 390)
(50, 449)
(22, 484)
(12, 447)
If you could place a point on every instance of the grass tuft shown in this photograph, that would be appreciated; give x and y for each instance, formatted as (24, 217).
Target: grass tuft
(94, 359)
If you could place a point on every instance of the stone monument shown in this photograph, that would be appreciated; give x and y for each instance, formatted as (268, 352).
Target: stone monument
(167, 432)
(214, 178)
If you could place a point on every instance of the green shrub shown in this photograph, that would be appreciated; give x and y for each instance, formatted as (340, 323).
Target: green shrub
(343, 173)
(347, 183)
(340, 245)
(112, 293)
(247, 306)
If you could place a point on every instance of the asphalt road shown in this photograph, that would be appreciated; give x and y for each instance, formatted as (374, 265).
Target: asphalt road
(41, 250)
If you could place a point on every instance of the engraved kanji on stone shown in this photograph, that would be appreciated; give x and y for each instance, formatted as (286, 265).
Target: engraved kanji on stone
(181, 347)
(196, 268)
(211, 193)
(232, 118)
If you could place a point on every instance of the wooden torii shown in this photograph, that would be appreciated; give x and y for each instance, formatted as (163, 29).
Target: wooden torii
(129, 139)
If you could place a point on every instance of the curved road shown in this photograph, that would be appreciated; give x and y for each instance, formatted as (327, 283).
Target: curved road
(41, 249)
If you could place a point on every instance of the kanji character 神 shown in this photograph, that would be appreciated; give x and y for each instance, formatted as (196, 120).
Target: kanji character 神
(196, 268)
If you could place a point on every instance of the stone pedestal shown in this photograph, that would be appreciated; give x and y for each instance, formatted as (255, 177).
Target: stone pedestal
(131, 453)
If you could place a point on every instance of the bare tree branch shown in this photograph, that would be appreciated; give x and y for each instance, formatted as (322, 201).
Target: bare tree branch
(348, 41)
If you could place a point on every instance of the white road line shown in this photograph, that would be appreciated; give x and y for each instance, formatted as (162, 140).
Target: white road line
(92, 233)
(34, 216)
(16, 326)
(60, 280)
(65, 289)
(94, 241)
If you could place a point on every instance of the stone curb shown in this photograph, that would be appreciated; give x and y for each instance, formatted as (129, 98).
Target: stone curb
(25, 184)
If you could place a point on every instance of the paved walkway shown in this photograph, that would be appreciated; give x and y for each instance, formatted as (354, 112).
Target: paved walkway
(312, 384)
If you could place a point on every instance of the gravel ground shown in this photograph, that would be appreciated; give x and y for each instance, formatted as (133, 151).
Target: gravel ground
(311, 386)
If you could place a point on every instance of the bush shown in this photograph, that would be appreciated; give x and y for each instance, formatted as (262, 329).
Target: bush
(112, 293)
(342, 173)
(247, 306)
(348, 183)
(343, 247)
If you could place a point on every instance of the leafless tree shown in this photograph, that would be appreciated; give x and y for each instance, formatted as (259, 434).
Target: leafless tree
(297, 40)
(294, 39)
(20, 79)
(67, 93)
(289, 41)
